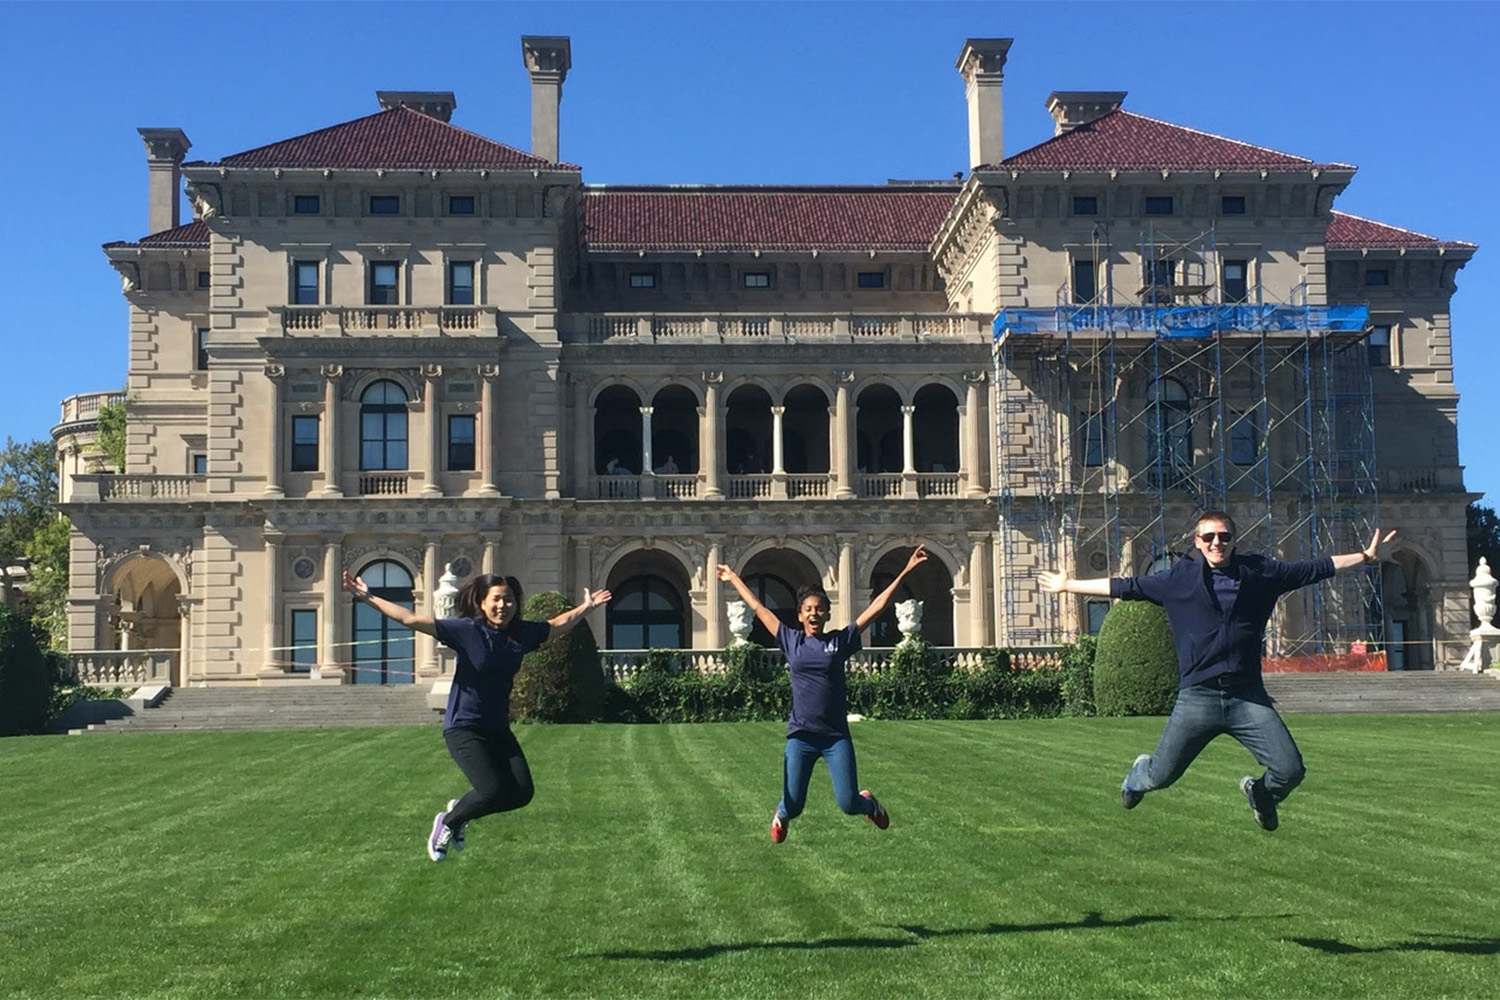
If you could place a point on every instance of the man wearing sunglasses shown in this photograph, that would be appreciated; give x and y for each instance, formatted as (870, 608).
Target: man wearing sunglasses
(1218, 603)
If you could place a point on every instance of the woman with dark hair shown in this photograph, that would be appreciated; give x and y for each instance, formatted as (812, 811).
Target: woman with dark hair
(490, 638)
(819, 726)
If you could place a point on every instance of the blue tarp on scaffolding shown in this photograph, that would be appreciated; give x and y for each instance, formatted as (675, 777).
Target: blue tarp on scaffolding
(1183, 321)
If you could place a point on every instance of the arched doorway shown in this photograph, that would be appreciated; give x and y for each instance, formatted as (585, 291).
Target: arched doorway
(935, 429)
(747, 431)
(383, 651)
(617, 431)
(774, 576)
(674, 431)
(1406, 596)
(143, 605)
(804, 430)
(931, 583)
(878, 430)
(650, 606)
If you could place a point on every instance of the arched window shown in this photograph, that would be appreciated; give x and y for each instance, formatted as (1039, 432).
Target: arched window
(382, 426)
(383, 652)
(646, 613)
(1169, 430)
(779, 597)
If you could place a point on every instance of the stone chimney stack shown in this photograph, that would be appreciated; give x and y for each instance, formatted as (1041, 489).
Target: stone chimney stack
(548, 59)
(437, 104)
(1072, 108)
(982, 65)
(165, 148)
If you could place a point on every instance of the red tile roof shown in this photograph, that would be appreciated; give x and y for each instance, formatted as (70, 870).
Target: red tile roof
(887, 218)
(194, 234)
(1350, 232)
(394, 139)
(1123, 140)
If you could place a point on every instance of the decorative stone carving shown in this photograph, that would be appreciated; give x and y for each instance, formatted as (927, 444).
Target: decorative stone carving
(207, 199)
(446, 594)
(909, 619)
(740, 623)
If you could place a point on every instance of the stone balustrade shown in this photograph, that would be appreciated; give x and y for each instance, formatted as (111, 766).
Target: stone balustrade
(621, 664)
(85, 407)
(131, 486)
(339, 321)
(717, 328)
(122, 667)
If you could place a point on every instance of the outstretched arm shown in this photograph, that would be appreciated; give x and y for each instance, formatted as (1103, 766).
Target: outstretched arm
(591, 599)
(1365, 556)
(1062, 583)
(395, 612)
(869, 614)
(763, 614)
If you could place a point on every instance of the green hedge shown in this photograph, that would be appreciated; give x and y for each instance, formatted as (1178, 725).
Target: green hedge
(561, 680)
(27, 675)
(1135, 669)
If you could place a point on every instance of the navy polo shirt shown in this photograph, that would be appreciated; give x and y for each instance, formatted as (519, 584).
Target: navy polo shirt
(1219, 618)
(819, 691)
(488, 660)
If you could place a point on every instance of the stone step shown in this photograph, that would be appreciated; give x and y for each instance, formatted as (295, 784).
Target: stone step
(1393, 692)
(259, 708)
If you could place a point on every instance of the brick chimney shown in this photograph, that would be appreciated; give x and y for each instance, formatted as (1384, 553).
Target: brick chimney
(982, 65)
(165, 148)
(1072, 108)
(548, 59)
(437, 104)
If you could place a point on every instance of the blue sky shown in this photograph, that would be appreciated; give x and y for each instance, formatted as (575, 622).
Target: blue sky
(722, 93)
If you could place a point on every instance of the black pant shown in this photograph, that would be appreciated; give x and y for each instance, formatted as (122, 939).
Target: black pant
(495, 766)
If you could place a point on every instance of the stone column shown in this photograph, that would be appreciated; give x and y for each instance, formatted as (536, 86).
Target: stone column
(332, 654)
(714, 588)
(972, 434)
(710, 459)
(276, 460)
(583, 569)
(333, 377)
(269, 653)
(488, 429)
(908, 453)
(846, 609)
(184, 640)
(648, 460)
(427, 648)
(491, 551)
(583, 439)
(777, 412)
(841, 436)
(430, 483)
(980, 603)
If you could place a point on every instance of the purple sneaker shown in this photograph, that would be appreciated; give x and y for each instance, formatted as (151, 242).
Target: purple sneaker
(458, 835)
(440, 837)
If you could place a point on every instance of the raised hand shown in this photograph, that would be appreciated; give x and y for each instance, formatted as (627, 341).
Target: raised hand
(596, 598)
(1372, 551)
(1055, 583)
(356, 586)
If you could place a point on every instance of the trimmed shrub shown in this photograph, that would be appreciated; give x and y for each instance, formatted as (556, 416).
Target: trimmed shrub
(1078, 676)
(1135, 666)
(561, 680)
(26, 675)
(754, 687)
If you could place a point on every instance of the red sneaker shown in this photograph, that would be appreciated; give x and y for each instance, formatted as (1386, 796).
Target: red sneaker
(879, 817)
(778, 829)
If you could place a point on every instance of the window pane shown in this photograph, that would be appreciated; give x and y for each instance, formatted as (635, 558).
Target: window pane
(383, 283)
(1377, 276)
(1097, 611)
(306, 281)
(642, 280)
(461, 443)
(1236, 282)
(1084, 288)
(1232, 204)
(461, 204)
(1158, 204)
(306, 204)
(304, 636)
(385, 204)
(1244, 438)
(757, 280)
(1379, 346)
(204, 279)
(461, 283)
(200, 465)
(1085, 205)
(201, 361)
(871, 279)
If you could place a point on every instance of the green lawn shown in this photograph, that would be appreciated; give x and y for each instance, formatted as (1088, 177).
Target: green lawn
(292, 865)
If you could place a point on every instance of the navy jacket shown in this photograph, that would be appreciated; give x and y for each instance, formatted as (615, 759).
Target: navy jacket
(1211, 640)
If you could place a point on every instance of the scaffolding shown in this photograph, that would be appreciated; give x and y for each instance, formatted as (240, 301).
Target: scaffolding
(1117, 424)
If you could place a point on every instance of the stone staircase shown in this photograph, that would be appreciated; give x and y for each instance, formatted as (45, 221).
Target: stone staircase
(279, 708)
(1394, 692)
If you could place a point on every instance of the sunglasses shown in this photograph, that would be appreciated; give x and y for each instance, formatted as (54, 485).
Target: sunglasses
(1223, 536)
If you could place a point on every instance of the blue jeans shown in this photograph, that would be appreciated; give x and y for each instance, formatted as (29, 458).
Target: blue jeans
(802, 752)
(1202, 712)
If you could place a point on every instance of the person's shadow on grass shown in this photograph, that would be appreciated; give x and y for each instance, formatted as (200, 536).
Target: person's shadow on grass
(1456, 944)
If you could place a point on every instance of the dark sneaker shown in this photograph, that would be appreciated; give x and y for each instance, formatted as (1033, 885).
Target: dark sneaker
(458, 835)
(778, 829)
(879, 816)
(1262, 806)
(440, 837)
(1129, 797)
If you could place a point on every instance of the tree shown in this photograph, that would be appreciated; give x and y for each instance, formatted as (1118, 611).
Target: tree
(561, 680)
(110, 437)
(47, 579)
(25, 676)
(28, 495)
(1484, 536)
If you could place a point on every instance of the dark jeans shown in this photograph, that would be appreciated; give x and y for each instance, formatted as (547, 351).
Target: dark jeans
(1203, 711)
(802, 752)
(495, 766)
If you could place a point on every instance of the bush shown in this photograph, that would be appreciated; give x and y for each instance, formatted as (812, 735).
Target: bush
(561, 680)
(1078, 676)
(1135, 667)
(754, 687)
(26, 675)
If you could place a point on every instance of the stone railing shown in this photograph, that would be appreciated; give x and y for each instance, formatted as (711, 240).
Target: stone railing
(101, 487)
(84, 408)
(755, 486)
(384, 484)
(432, 321)
(937, 484)
(122, 667)
(622, 664)
(676, 486)
(807, 484)
(879, 484)
(717, 328)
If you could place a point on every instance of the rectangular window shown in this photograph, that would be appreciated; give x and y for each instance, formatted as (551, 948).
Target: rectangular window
(1232, 204)
(385, 204)
(870, 279)
(757, 279)
(204, 279)
(1158, 204)
(1244, 437)
(1092, 439)
(460, 204)
(383, 291)
(303, 655)
(461, 443)
(306, 204)
(1158, 273)
(200, 465)
(1379, 346)
(305, 283)
(1084, 286)
(304, 444)
(461, 283)
(200, 361)
(642, 279)
(1096, 610)
(1377, 276)
(1236, 280)
(1085, 204)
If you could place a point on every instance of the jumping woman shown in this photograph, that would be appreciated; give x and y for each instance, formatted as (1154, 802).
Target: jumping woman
(819, 726)
(490, 638)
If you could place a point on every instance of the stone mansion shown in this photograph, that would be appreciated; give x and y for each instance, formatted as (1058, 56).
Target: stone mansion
(394, 345)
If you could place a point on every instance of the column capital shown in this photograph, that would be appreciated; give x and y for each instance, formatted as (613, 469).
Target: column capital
(713, 378)
(432, 371)
(488, 371)
(844, 375)
(332, 372)
(976, 376)
(777, 411)
(274, 372)
(908, 410)
(646, 411)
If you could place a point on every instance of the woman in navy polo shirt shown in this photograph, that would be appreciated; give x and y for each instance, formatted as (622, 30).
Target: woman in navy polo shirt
(490, 638)
(819, 726)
